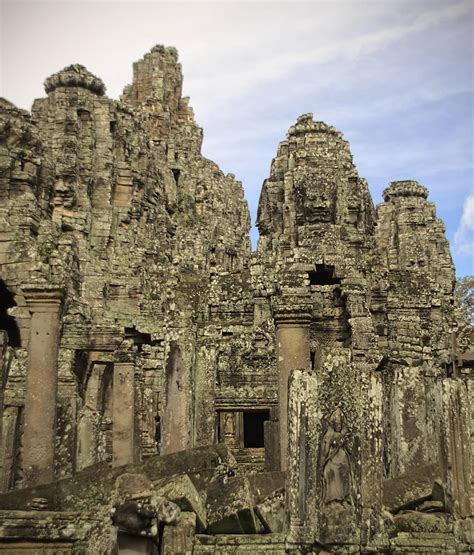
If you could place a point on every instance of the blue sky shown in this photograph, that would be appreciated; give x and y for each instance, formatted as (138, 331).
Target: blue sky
(395, 76)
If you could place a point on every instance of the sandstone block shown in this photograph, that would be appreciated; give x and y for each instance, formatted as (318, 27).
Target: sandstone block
(181, 491)
(179, 537)
(271, 512)
(230, 506)
(411, 488)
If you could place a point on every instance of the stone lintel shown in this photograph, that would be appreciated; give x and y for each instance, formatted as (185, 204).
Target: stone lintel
(46, 525)
(100, 340)
(123, 364)
(294, 316)
(43, 299)
(100, 357)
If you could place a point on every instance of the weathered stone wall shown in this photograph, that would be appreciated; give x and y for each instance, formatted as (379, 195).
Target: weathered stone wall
(376, 289)
(130, 292)
(122, 212)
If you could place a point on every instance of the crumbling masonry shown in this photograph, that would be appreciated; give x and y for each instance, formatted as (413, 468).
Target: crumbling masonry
(164, 389)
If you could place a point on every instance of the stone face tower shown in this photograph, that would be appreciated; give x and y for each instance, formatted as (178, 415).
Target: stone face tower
(363, 315)
(306, 397)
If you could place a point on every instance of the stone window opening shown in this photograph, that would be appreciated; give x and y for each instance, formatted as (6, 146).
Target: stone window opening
(158, 434)
(323, 275)
(7, 322)
(70, 127)
(176, 174)
(312, 358)
(139, 338)
(253, 428)
(106, 407)
(80, 369)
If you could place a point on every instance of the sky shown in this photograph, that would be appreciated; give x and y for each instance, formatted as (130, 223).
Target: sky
(395, 76)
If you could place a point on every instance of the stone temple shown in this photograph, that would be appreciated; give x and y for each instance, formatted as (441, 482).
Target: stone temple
(166, 390)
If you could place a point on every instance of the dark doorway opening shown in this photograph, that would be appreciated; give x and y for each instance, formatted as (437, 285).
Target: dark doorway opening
(138, 337)
(7, 322)
(253, 427)
(323, 275)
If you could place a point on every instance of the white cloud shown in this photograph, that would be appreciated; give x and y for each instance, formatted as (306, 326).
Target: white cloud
(240, 78)
(464, 236)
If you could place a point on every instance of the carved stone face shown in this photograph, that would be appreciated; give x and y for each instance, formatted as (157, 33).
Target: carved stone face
(337, 419)
(314, 201)
(64, 192)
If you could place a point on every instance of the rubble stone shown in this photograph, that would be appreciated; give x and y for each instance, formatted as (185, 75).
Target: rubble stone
(181, 491)
(271, 512)
(410, 489)
(230, 507)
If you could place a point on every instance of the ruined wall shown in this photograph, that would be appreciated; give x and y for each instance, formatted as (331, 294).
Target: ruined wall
(363, 305)
(113, 203)
(129, 291)
(418, 323)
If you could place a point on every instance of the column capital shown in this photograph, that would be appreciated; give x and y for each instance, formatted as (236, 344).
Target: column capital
(43, 299)
(120, 364)
(295, 315)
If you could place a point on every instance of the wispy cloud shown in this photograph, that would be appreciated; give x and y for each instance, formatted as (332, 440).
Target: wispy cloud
(464, 236)
(244, 75)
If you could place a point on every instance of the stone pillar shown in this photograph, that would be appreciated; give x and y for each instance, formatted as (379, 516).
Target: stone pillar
(292, 339)
(9, 446)
(204, 394)
(303, 449)
(457, 447)
(177, 415)
(89, 418)
(123, 414)
(39, 432)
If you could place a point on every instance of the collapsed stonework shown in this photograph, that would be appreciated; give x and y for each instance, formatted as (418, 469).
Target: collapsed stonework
(167, 390)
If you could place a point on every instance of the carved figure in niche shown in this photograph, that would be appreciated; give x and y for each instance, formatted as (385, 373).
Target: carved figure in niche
(337, 480)
(135, 204)
(229, 429)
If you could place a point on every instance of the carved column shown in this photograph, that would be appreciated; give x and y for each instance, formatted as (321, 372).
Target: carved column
(456, 447)
(292, 338)
(123, 419)
(177, 423)
(89, 418)
(39, 433)
(303, 444)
